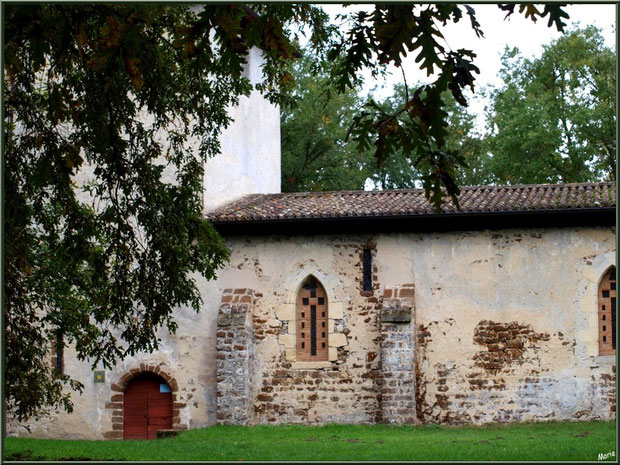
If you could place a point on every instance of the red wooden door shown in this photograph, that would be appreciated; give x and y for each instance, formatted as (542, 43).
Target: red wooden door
(147, 406)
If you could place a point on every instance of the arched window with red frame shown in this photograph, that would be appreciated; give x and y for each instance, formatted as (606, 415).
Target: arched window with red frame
(312, 322)
(607, 313)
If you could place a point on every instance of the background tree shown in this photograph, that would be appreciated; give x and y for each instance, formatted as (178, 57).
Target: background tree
(318, 156)
(469, 142)
(462, 139)
(396, 171)
(91, 86)
(418, 128)
(315, 152)
(554, 119)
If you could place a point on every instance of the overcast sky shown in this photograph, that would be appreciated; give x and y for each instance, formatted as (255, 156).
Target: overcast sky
(498, 33)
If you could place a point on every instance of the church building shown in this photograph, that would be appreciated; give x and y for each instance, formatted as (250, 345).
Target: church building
(369, 307)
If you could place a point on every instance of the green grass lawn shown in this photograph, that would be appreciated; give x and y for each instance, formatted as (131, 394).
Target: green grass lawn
(526, 441)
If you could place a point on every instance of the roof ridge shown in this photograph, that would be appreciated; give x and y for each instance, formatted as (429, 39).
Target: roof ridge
(421, 189)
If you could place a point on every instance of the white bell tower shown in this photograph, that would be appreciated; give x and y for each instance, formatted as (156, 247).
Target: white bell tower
(249, 162)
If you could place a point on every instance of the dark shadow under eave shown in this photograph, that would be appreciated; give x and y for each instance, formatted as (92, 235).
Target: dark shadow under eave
(421, 223)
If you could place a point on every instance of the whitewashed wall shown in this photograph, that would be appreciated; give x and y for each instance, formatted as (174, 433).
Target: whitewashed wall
(249, 162)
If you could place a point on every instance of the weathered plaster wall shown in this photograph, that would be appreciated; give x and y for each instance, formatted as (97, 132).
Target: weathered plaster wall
(343, 389)
(505, 330)
(188, 357)
(506, 324)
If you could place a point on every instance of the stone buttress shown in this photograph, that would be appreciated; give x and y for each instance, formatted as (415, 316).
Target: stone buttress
(397, 355)
(235, 350)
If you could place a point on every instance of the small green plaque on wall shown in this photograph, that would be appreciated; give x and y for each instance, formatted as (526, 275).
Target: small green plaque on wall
(99, 376)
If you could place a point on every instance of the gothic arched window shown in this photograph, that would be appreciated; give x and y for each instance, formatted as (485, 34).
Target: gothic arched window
(312, 322)
(607, 313)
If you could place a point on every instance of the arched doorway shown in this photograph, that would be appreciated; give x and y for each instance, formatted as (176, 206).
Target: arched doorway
(147, 407)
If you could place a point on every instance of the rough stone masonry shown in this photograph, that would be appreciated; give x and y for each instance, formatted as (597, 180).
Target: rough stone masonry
(235, 350)
(397, 355)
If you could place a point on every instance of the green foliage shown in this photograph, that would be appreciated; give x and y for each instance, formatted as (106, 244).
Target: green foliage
(102, 214)
(418, 126)
(472, 146)
(554, 120)
(576, 441)
(315, 155)
(400, 171)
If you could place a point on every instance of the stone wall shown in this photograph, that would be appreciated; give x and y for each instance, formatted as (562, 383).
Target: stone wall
(505, 324)
(235, 350)
(507, 327)
(397, 355)
(343, 389)
(504, 328)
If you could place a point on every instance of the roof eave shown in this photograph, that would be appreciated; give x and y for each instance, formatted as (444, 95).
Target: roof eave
(600, 216)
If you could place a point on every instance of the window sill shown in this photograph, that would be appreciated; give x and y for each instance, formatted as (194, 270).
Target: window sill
(311, 365)
(605, 359)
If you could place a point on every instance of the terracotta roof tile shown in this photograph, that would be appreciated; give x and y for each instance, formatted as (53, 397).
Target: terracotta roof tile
(476, 199)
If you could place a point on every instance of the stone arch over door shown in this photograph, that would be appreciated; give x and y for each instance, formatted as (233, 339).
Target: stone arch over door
(115, 406)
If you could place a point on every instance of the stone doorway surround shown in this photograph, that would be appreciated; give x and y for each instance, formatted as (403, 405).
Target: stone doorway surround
(115, 406)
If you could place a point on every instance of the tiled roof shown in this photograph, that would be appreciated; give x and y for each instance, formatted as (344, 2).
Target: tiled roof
(407, 202)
